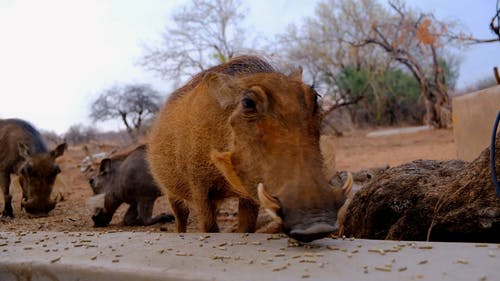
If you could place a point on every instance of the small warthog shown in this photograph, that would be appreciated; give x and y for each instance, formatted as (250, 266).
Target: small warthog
(243, 129)
(125, 178)
(23, 152)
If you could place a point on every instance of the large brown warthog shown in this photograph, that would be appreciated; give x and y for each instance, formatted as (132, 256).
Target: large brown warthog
(243, 129)
(23, 152)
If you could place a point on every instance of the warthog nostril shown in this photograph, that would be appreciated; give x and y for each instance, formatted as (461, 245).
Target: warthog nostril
(313, 232)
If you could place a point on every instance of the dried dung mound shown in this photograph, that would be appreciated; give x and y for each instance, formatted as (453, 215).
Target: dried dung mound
(429, 200)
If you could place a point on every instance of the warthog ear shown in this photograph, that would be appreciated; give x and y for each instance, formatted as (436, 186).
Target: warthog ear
(223, 162)
(105, 166)
(296, 74)
(59, 150)
(223, 88)
(24, 150)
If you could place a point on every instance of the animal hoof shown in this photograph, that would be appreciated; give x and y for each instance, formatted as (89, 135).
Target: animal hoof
(7, 214)
(167, 217)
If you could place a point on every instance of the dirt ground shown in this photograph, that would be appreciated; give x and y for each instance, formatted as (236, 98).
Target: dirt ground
(354, 152)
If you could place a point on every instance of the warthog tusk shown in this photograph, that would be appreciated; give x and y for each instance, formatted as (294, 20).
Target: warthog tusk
(15, 182)
(346, 188)
(267, 200)
(270, 203)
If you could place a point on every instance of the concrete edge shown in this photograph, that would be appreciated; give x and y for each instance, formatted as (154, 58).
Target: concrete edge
(33, 270)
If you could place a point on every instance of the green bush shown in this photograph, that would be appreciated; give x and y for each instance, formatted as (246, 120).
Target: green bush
(390, 98)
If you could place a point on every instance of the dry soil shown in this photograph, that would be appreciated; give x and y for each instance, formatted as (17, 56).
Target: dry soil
(354, 152)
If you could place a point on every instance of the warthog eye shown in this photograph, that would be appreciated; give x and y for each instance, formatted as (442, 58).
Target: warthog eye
(27, 170)
(248, 103)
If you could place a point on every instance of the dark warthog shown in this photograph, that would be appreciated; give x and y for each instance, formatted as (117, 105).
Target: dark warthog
(243, 129)
(125, 178)
(23, 152)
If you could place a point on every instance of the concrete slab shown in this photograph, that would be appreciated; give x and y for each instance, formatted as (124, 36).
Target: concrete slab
(398, 131)
(226, 256)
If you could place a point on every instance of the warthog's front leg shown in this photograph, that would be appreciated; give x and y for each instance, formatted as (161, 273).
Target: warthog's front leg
(102, 216)
(7, 198)
(206, 211)
(181, 213)
(131, 216)
(145, 209)
(248, 210)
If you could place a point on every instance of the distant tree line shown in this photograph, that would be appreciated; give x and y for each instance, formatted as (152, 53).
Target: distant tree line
(387, 64)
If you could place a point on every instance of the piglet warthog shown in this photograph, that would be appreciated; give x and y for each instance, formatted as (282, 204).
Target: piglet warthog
(23, 152)
(243, 129)
(125, 178)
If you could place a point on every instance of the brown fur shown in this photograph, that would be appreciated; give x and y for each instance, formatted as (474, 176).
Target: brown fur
(238, 66)
(23, 152)
(222, 135)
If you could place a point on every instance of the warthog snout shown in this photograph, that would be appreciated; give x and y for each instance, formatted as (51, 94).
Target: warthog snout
(308, 225)
(100, 218)
(37, 207)
(313, 232)
(310, 219)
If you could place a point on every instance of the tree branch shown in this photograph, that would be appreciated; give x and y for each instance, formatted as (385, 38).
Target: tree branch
(346, 103)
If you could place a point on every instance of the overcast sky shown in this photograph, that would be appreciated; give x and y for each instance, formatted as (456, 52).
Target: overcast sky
(57, 55)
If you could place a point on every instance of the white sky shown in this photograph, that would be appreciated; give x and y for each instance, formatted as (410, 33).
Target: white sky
(57, 55)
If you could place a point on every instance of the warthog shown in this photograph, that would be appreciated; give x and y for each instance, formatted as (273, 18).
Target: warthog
(23, 152)
(125, 178)
(243, 129)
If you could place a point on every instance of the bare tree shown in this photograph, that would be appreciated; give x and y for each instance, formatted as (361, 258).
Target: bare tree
(205, 33)
(367, 40)
(51, 137)
(132, 104)
(417, 41)
(78, 134)
(321, 46)
(494, 27)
